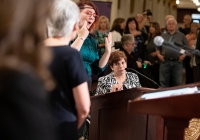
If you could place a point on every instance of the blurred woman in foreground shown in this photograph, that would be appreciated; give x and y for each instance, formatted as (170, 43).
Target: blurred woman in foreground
(24, 108)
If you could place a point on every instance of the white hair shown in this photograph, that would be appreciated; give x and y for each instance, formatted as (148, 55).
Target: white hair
(173, 19)
(64, 14)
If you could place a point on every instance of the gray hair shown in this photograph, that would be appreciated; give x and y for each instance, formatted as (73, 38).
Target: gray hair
(173, 19)
(127, 38)
(64, 14)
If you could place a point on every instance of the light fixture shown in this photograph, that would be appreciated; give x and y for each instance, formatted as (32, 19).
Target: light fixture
(177, 2)
(198, 9)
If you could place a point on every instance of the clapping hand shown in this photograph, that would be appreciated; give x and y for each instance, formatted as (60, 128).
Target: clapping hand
(108, 42)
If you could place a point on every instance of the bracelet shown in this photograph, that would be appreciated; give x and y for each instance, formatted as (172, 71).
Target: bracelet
(81, 38)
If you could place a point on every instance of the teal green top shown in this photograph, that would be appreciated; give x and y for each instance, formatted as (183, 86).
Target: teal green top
(89, 53)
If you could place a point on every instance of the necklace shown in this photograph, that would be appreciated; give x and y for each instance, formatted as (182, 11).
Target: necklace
(120, 79)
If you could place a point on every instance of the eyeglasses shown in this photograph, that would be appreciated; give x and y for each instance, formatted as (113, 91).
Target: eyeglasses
(89, 14)
(131, 44)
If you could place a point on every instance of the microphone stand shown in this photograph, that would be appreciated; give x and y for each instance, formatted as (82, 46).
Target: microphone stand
(193, 51)
(143, 76)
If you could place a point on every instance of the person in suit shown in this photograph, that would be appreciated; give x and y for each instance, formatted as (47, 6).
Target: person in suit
(70, 99)
(119, 79)
(24, 78)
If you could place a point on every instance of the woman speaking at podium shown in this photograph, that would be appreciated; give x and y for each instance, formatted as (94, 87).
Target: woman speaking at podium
(119, 79)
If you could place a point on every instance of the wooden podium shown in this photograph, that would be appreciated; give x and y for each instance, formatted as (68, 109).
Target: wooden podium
(175, 110)
(110, 119)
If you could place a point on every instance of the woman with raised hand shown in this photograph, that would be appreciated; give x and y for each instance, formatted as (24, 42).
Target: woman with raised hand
(87, 45)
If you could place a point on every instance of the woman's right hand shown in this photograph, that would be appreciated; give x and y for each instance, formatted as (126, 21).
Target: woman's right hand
(116, 87)
(161, 58)
(139, 64)
(83, 32)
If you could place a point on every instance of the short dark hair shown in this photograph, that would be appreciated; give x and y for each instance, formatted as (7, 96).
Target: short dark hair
(115, 57)
(127, 22)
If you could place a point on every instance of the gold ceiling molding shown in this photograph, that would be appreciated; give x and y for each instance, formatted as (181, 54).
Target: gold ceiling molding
(119, 2)
(169, 3)
(164, 1)
(132, 6)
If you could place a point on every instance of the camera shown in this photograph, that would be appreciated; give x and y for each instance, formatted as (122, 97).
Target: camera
(147, 12)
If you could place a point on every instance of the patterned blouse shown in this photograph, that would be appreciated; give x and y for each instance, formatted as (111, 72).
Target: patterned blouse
(105, 83)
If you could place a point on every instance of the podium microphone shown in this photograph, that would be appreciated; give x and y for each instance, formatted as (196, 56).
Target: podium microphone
(130, 69)
(159, 41)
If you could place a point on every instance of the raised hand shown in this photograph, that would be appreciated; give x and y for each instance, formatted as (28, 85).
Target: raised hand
(83, 32)
(108, 42)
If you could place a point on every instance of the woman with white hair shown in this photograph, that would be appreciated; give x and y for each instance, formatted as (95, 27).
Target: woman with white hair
(70, 98)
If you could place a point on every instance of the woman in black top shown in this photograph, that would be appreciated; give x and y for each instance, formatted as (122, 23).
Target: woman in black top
(70, 98)
(133, 28)
(154, 30)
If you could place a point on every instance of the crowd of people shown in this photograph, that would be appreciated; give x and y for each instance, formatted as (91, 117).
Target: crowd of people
(45, 83)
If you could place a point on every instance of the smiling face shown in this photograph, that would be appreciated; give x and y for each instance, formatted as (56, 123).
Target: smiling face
(119, 67)
(88, 14)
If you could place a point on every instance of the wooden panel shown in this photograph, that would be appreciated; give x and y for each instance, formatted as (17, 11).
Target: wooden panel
(110, 119)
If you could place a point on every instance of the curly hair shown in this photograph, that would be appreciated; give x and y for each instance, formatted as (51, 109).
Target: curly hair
(115, 57)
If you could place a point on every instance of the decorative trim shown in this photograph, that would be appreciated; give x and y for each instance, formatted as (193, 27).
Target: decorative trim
(119, 4)
(132, 4)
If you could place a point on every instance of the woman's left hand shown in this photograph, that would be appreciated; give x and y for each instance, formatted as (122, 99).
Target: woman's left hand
(108, 42)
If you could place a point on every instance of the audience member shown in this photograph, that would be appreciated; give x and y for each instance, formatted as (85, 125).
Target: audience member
(117, 30)
(191, 38)
(197, 58)
(171, 66)
(24, 106)
(87, 45)
(102, 31)
(164, 29)
(119, 79)
(148, 14)
(133, 28)
(71, 101)
(185, 28)
(154, 31)
(141, 21)
(128, 44)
